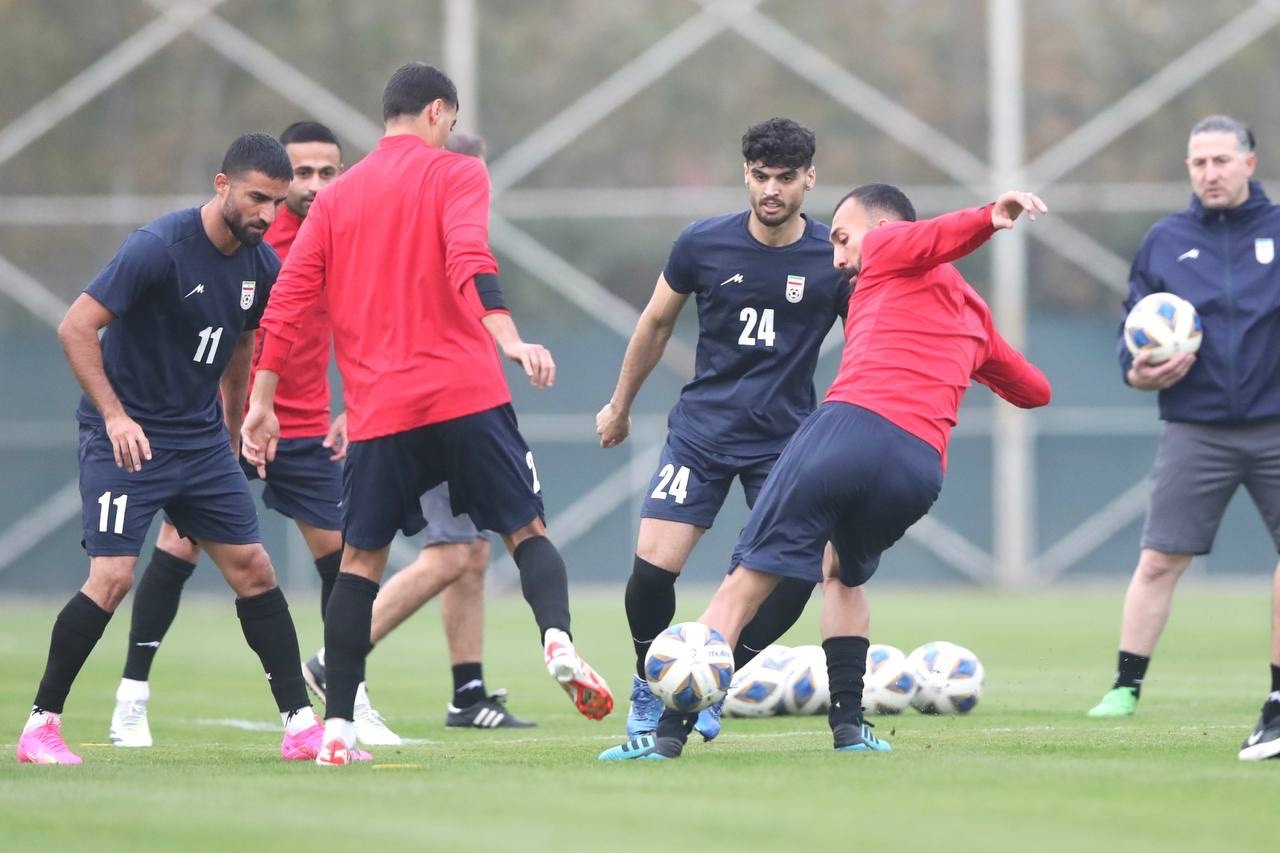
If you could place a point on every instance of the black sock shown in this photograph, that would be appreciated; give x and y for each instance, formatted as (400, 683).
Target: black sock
(268, 628)
(1271, 708)
(346, 642)
(1275, 678)
(846, 666)
(673, 731)
(544, 582)
(1130, 671)
(327, 568)
(76, 631)
(651, 605)
(776, 615)
(155, 604)
(468, 684)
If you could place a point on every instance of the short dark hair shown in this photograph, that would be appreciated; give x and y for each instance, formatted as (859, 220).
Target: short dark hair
(467, 143)
(881, 198)
(257, 152)
(309, 131)
(779, 142)
(1227, 124)
(412, 87)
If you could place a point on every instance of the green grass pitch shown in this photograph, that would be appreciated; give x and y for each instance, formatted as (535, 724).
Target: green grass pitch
(1025, 771)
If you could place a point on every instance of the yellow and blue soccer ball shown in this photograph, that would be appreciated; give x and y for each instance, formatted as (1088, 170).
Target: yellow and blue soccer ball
(1162, 325)
(890, 683)
(757, 687)
(805, 686)
(689, 667)
(951, 678)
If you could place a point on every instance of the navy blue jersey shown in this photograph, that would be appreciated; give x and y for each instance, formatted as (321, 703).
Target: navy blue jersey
(180, 306)
(762, 314)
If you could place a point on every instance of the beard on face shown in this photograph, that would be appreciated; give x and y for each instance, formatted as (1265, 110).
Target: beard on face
(773, 220)
(247, 233)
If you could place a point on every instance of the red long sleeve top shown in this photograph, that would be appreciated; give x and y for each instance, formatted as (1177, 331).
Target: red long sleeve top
(917, 333)
(392, 247)
(302, 397)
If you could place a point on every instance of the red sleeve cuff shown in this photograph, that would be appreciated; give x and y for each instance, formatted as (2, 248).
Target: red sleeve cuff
(275, 353)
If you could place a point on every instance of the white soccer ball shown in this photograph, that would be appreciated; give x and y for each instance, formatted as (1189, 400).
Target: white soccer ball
(1162, 325)
(757, 687)
(951, 678)
(890, 682)
(689, 667)
(805, 687)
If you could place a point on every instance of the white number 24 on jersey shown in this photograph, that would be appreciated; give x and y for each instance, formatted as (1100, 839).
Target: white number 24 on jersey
(751, 333)
(672, 480)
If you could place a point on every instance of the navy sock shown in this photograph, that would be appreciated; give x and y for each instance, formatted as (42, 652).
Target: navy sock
(155, 604)
(651, 605)
(544, 582)
(268, 628)
(76, 631)
(346, 642)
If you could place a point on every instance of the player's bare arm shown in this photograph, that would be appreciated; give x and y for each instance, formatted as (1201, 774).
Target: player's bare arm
(535, 359)
(1010, 205)
(260, 431)
(78, 333)
(1146, 376)
(235, 386)
(648, 342)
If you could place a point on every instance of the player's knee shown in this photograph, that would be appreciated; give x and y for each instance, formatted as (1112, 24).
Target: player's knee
(110, 580)
(172, 542)
(477, 559)
(1161, 566)
(534, 528)
(252, 574)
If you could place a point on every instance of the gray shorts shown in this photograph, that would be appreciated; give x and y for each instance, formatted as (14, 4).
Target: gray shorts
(1198, 468)
(443, 527)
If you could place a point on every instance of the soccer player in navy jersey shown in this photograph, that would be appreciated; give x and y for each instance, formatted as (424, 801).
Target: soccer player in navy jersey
(398, 247)
(176, 308)
(868, 463)
(766, 295)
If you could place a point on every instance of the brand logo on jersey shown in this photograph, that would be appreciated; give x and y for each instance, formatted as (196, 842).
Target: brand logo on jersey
(246, 294)
(795, 288)
(736, 278)
(1189, 255)
(1264, 249)
(199, 288)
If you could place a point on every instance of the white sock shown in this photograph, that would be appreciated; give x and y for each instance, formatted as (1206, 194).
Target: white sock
(299, 720)
(362, 695)
(336, 728)
(556, 635)
(133, 691)
(320, 656)
(38, 719)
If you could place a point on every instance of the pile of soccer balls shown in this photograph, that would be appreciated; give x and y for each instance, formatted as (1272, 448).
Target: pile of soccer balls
(936, 678)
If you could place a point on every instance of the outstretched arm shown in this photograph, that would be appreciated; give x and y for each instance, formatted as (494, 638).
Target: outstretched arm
(648, 343)
(1008, 373)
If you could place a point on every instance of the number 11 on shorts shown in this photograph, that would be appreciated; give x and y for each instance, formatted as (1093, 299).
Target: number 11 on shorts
(104, 517)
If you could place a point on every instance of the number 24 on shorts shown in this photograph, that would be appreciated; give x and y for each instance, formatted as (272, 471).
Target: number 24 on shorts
(672, 481)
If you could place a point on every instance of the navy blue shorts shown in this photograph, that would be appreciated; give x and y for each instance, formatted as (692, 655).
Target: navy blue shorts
(202, 491)
(443, 527)
(303, 483)
(847, 476)
(482, 457)
(690, 483)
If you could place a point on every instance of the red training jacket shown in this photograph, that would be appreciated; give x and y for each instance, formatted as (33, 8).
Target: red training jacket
(917, 332)
(392, 247)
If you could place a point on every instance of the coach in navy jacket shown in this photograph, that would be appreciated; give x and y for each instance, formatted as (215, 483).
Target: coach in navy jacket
(1221, 406)
(1223, 261)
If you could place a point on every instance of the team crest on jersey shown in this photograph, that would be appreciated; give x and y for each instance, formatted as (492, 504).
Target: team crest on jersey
(247, 289)
(1264, 249)
(795, 288)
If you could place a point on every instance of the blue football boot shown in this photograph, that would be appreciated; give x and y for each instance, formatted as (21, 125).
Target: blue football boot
(708, 724)
(644, 748)
(858, 737)
(642, 717)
